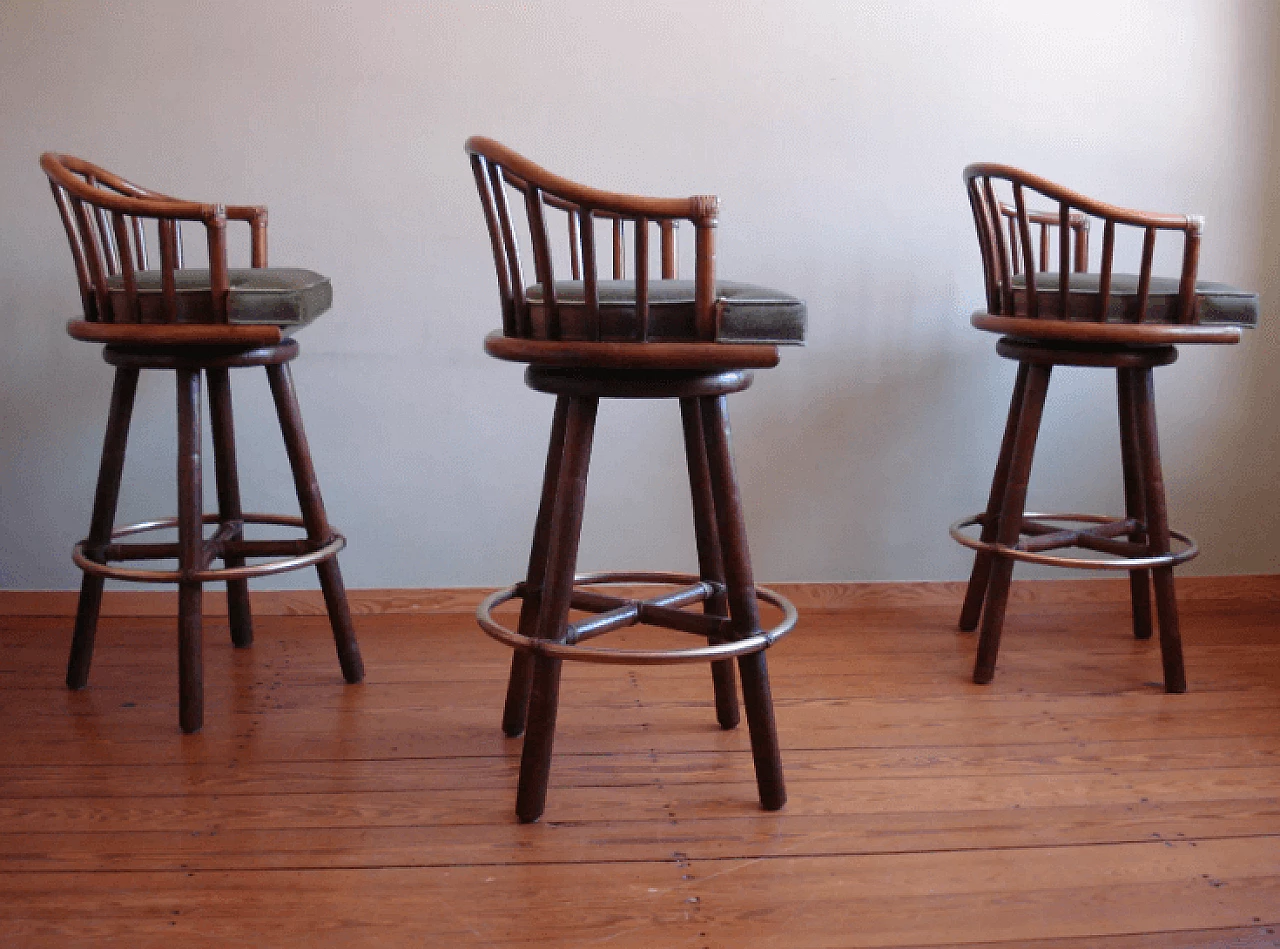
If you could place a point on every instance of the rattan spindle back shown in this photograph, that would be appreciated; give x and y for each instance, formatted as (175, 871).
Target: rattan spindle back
(1003, 259)
(104, 215)
(500, 173)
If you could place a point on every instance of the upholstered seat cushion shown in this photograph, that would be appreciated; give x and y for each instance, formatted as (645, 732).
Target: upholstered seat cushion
(282, 296)
(1216, 302)
(747, 313)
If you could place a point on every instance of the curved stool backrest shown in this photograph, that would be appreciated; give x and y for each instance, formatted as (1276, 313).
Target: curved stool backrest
(105, 219)
(532, 306)
(1021, 282)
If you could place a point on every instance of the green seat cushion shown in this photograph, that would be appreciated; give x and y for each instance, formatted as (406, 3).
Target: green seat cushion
(287, 297)
(1217, 303)
(748, 314)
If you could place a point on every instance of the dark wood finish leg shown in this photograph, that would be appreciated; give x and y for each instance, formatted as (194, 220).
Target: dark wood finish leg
(313, 515)
(563, 532)
(743, 611)
(1134, 504)
(224, 454)
(976, 592)
(101, 522)
(710, 558)
(190, 550)
(1010, 523)
(521, 679)
(1142, 383)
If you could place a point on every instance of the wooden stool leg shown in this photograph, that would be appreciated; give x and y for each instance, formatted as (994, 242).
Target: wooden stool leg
(562, 554)
(710, 559)
(1143, 390)
(313, 515)
(1010, 523)
(190, 553)
(224, 455)
(976, 592)
(104, 514)
(517, 705)
(742, 602)
(1135, 507)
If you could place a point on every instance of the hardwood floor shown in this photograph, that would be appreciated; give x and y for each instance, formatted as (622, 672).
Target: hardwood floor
(1070, 803)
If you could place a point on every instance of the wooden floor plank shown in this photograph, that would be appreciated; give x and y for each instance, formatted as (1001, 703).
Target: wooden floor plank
(1242, 937)
(627, 904)
(358, 774)
(252, 839)
(583, 800)
(886, 900)
(915, 899)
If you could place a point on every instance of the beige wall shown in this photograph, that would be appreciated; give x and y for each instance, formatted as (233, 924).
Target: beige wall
(834, 133)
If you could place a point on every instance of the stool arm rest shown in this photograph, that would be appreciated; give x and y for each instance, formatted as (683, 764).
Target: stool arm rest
(256, 216)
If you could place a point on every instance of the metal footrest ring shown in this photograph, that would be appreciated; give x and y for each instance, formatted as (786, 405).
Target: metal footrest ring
(1118, 562)
(308, 555)
(565, 650)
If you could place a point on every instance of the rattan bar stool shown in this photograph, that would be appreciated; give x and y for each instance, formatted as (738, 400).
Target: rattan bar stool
(193, 322)
(1070, 316)
(639, 338)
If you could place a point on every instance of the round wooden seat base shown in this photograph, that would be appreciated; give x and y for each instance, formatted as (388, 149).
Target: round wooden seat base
(242, 335)
(200, 357)
(1040, 537)
(636, 383)
(614, 612)
(1109, 334)
(594, 354)
(1104, 355)
(286, 554)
